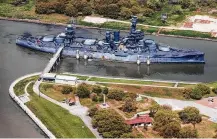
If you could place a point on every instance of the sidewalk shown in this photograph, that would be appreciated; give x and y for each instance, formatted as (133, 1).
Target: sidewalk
(78, 110)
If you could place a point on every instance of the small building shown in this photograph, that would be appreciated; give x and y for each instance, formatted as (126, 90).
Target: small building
(49, 76)
(64, 79)
(140, 121)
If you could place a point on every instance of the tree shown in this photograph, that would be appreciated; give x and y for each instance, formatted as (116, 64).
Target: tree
(187, 3)
(171, 130)
(93, 96)
(67, 90)
(214, 90)
(126, 13)
(135, 10)
(87, 10)
(203, 89)
(97, 89)
(187, 93)
(154, 4)
(105, 90)
(124, 3)
(129, 105)
(71, 10)
(116, 94)
(188, 132)
(92, 111)
(82, 91)
(110, 124)
(167, 123)
(131, 95)
(196, 94)
(153, 109)
(147, 12)
(190, 115)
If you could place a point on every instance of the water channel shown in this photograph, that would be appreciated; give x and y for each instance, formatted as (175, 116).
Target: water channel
(16, 61)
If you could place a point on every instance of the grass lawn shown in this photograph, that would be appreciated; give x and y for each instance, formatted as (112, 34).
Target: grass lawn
(98, 79)
(80, 77)
(55, 91)
(150, 91)
(206, 129)
(186, 85)
(58, 120)
(212, 84)
(19, 87)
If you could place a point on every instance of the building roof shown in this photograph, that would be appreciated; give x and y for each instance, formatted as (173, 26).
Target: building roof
(49, 75)
(65, 77)
(139, 120)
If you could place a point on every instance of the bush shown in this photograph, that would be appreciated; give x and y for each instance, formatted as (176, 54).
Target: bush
(126, 13)
(105, 90)
(112, 11)
(116, 94)
(100, 97)
(203, 89)
(92, 111)
(60, 7)
(82, 91)
(124, 3)
(87, 10)
(71, 10)
(79, 4)
(214, 90)
(147, 12)
(154, 4)
(196, 94)
(187, 93)
(131, 95)
(135, 10)
(188, 132)
(93, 97)
(97, 89)
(129, 105)
(67, 90)
(177, 10)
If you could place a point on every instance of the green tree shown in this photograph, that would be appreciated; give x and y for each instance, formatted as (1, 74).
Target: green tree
(105, 90)
(92, 111)
(190, 115)
(67, 90)
(153, 109)
(116, 94)
(82, 91)
(203, 89)
(129, 105)
(71, 10)
(167, 123)
(196, 94)
(126, 13)
(87, 10)
(188, 132)
(187, 93)
(135, 10)
(154, 4)
(110, 124)
(97, 89)
(214, 90)
(187, 3)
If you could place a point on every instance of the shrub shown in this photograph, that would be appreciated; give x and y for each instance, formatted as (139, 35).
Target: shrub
(126, 13)
(116, 94)
(71, 10)
(112, 11)
(203, 89)
(67, 90)
(45, 8)
(166, 107)
(214, 90)
(82, 91)
(135, 10)
(92, 111)
(60, 7)
(97, 89)
(87, 10)
(131, 95)
(147, 12)
(154, 4)
(129, 105)
(187, 93)
(177, 10)
(93, 97)
(79, 4)
(105, 90)
(188, 132)
(196, 94)
(124, 3)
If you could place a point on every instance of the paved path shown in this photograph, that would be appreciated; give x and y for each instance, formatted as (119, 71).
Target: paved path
(77, 110)
(180, 104)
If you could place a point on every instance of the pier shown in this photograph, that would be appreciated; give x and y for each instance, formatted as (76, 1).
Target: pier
(54, 61)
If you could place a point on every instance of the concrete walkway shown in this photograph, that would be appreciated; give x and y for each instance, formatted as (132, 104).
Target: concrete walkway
(180, 104)
(77, 110)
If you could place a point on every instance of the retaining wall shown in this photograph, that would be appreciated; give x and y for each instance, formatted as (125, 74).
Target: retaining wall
(26, 109)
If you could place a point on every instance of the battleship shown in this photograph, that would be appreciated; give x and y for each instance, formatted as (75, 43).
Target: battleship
(133, 48)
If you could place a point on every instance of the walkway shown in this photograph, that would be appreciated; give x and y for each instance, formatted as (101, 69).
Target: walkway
(78, 110)
(180, 104)
(53, 60)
